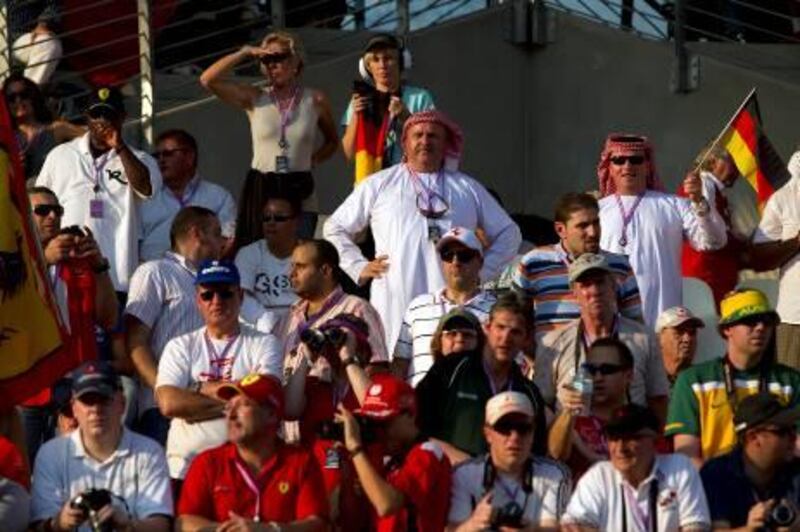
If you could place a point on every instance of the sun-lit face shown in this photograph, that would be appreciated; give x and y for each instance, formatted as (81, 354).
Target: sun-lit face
(628, 170)
(279, 65)
(581, 232)
(219, 304)
(98, 414)
(424, 147)
(510, 441)
(506, 335)
(247, 420)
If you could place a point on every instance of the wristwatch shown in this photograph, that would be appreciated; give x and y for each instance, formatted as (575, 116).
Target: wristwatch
(349, 360)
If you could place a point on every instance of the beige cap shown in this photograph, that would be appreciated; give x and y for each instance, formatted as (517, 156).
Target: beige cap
(586, 262)
(675, 316)
(505, 403)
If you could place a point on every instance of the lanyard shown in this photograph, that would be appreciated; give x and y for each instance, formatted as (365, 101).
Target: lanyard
(184, 202)
(253, 486)
(512, 495)
(642, 521)
(216, 361)
(286, 114)
(311, 320)
(583, 341)
(99, 165)
(429, 194)
(627, 216)
(730, 385)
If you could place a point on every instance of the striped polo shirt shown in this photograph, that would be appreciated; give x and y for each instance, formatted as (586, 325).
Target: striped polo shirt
(420, 322)
(542, 276)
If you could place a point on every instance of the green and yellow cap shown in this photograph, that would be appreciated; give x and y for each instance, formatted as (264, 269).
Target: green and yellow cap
(741, 304)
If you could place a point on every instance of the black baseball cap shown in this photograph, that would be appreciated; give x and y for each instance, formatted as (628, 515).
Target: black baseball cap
(105, 102)
(382, 40)
(95, 376)
(764, 408)
(632, 419)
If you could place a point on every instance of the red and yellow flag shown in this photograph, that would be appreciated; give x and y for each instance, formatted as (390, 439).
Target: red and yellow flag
(30, 329)
(370, 142)
(753, 153)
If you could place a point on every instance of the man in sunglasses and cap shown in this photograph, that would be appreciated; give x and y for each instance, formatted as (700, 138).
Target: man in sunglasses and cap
(409, 207)
(757, 485)
(127, 468)
(461, 255)
(638, 489)
(508, 486)
(706, 397)
(101, 181)
(253, 481)
(648, 225)
(194, 366)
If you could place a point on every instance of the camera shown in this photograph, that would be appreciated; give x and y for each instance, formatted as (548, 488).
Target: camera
(783, 514)
(330, 430)
(316, 340)
(73, 230)
(508, 515)
(90, 502)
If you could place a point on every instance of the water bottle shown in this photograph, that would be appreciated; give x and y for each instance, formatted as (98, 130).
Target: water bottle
(582, 382)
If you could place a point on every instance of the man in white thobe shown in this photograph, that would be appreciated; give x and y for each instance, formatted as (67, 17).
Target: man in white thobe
(408, 207)
(648, 225)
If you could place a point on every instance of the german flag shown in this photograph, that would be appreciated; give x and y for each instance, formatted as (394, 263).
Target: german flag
(753, 153)
(370, 142)
(30, 328)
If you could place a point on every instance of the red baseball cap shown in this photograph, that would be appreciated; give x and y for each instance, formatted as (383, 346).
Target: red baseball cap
(263, 389)
(387, 397)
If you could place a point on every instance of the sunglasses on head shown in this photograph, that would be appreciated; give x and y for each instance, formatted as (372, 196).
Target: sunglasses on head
(463, 255)
(619, 160)
(44, 210)
(603, 368)
(224, 294)
(19, 95)
(271, 59)
(277, 218)
(166, 153)
(507, 427)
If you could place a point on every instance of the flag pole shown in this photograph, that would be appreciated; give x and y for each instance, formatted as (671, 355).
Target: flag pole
(725, 129)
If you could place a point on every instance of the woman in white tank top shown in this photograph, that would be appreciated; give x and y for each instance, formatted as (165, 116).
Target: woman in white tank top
(291, 126)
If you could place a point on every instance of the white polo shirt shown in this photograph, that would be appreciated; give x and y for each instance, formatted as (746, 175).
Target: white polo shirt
(598, 499)
(156, 216)
(266, 277)
(546, 501)
(72, 173)
(136, 472)
(420, 322)
(188, 359)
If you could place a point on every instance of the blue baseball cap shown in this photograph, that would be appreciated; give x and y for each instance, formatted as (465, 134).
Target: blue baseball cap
(217, 272)
(95, 376)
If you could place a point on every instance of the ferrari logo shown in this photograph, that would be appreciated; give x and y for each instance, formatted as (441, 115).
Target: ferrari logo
(103, 94)
(283, 487)
(250, 379)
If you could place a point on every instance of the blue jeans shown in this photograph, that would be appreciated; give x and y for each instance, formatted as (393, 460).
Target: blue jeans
(39, 424)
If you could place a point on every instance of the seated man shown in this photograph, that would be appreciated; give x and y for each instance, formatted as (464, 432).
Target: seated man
(414, 491)
(508, 486)
(195, 365)
(253, 478)
(461, 255)
(757, 485)
(129, 470)
(637, 489)
(677, 328)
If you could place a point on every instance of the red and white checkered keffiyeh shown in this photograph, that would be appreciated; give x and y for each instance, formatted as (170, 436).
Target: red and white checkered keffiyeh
(455, 138)
(619, 143)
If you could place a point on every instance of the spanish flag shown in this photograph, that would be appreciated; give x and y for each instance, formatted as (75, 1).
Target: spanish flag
(370, 142)
(30, 327)
(753, 153)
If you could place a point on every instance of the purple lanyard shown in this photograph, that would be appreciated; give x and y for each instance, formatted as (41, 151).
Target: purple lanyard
(217, 360)
(253, 486)
(311, 320)
(640, 518)
(511, 495)
(184, 202)
(627, 216)
(429, 194)
(286, 114)
(99, 165)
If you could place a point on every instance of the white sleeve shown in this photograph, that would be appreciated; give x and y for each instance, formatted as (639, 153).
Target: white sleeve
(586, 504)
(49, 489)
(46, 176)
(770, 228)
(350, 218)
(462, 501)
(246, 265)
(155, 492)
(500, 229)
(556, 495)
(268, 356)
(704, 233)
(692, 503)
(175, 366)
(145, 294)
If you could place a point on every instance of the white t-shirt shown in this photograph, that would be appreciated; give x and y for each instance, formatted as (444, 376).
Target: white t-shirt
(781, 221)
(136, 471)
(72, 173)
(550, 489)
(681, 502)
(158, 214)
(266, 277)
(187, 360)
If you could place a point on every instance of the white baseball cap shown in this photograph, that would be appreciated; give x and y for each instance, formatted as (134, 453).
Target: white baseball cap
(462, 235)
(505, 403)
(675, 316)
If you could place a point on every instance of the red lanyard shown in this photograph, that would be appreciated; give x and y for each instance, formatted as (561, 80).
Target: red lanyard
(217, 361)
(253, 486)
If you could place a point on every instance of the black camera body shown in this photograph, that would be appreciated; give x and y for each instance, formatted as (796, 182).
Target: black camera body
(509, 515)
(330, 430)
(92, 499)
(317, 340)
(782, 515)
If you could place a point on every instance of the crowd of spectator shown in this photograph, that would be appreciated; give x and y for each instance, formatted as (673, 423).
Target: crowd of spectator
(232, 377)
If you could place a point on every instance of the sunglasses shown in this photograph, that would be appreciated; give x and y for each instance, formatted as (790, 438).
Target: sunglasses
(272, 59)
(619, 160)
(602, 369)
(752, 321)
(19, 95)
(507, 427)
(44, 210)
(783, 432)
(463, 255)
(277, 218)
(166, 153)
(467, 333)
(224, 294)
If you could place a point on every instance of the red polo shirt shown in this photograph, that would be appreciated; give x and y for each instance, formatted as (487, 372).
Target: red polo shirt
(424, 480)
(290, 485)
